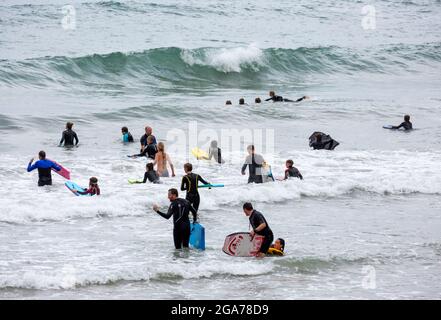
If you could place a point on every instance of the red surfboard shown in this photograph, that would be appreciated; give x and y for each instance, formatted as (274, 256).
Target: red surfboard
(241, 244)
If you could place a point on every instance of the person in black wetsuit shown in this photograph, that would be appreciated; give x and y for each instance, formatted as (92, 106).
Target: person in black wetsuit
(150, 174)
(259, 226)
(179, 209)
(44, 167)
(292, 171)
(214, 152)
(407, 125)
(242, 101)
(143, 140)
(275, 98)
(254, 162)
(69, 136)
(149, 150)
(190, 184)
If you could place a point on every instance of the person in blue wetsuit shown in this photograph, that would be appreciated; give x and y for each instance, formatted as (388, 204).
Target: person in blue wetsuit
(44, 167)
(126, 135)
(179, 209)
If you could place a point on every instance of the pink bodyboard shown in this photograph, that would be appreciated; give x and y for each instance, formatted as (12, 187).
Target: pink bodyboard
(63, 172)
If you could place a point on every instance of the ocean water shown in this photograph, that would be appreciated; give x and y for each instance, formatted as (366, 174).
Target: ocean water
(365, 223)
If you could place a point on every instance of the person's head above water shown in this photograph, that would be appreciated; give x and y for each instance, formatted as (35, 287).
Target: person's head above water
(188, 167)
(279, 244)
(228, 102)
(172, 194)
(272, 93)
(150, 140)
(289, 163)
(124, 130)
(148, 130)
(69, 125)
(407, 118)
(257, 100)
(161, 147)
(248, 208)
(93, 181)
(213, 144)
(250, 148)
(149, 166)
(241, 101)
(42, 155)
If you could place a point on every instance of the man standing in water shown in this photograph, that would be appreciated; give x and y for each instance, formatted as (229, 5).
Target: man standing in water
(143, 140)
(179, 209)
(255, 162)
(259, 226)
(44, 167)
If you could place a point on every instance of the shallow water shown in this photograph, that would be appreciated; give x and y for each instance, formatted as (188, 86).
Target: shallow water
(363, 224)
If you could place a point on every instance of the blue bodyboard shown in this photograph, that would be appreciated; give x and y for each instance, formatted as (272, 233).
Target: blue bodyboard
(197, 236)
(73, 186)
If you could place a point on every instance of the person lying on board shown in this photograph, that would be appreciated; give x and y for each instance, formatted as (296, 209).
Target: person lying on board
(149, 150)
(93, 189)
(406, 125)
(276, 98)
(44, 167)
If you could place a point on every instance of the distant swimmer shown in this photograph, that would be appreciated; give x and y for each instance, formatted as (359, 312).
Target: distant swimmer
(214, 152)
(44, 167)
(180, 210)
(161, 160)
(93, 189)
(143, 140)
(254, 162)
(319, 140)
(190, 184)
(228, 102)
(292, 171)
(242, 101)
(406, 125)
(126, 135)
(69, 136)
(276, 98)
(149, 150)
(257, 100)
(259, 226)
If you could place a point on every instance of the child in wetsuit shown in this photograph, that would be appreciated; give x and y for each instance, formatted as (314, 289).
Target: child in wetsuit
(407, 125)
(127, 136)
(94, 189)
(149, 151)
(150, 174)
(190, 184)
(292, 171)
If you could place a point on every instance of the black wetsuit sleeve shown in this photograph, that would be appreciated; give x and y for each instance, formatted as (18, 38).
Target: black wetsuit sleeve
(194, 212)
(62, 137)
(300, 99)
(286, 174)
(401, 125)
(184, 183)
(269, 99)
(300, 175)
(202, 180)
(244, 167)
(76, 138)
(146, 175)
(168, 214)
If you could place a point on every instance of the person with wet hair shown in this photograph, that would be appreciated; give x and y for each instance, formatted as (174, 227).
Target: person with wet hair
(44, 167)
(69, 136)
(93, 189)
(190, 183)
(126, 135)
(406, 125)
(276, 98)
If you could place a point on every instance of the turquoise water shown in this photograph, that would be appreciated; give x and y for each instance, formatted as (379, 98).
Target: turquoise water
(364, 223)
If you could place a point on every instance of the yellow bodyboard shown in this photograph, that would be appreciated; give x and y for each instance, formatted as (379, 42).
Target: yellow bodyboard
(199, 153)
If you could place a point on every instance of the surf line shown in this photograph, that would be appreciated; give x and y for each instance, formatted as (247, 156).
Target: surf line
(183, 310)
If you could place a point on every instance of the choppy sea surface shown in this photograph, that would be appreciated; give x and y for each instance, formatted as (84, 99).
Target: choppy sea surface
(365, 223)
